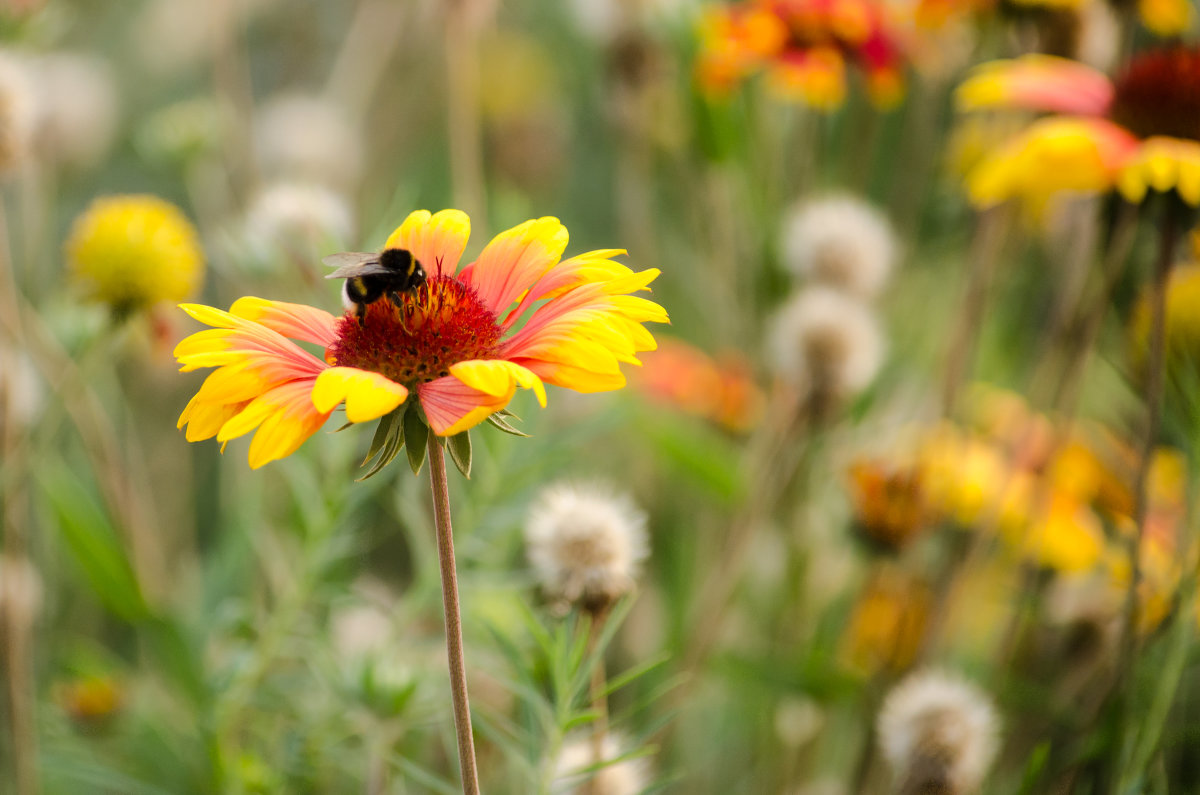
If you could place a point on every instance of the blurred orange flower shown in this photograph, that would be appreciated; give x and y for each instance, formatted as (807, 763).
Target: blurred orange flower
(889, 502)
(719, 389)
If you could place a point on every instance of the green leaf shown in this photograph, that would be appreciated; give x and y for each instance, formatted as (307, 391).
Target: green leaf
(459, 446)
(386, 444)
(383, 432)
(417, 434)
(498, 421)
(93, 542)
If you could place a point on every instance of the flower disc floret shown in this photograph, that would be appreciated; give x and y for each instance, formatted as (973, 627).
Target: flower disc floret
(441, 324)
(1159, 94)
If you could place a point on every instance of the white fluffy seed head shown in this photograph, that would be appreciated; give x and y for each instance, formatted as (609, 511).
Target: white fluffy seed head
(627, 777)
(839, 241)
(18, 111)
(297, 219)
(938, 731)
(302, 137)
(77, 107)
(825, 343)
(586, 544)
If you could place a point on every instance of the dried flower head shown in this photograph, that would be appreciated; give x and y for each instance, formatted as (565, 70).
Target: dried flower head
(826, 344)
(939, 733)
(133, 251)
(18, 111)
(77, 107)
(586, 544)
(309, 138)
(840, 241)
(627, 777)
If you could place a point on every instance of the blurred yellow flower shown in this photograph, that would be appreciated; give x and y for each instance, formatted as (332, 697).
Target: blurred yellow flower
(1182, 318)
(1064, 535)
(888, 625)
(133, 251)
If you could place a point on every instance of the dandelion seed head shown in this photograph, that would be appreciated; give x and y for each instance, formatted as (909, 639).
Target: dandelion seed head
(133, 251)
(627, 777)
(585, 544)
(18, 111)
(937, 729)
(798, 721)
(296, 218)
(839, 241)
(301, 137)
(77, 107)
(824, 342)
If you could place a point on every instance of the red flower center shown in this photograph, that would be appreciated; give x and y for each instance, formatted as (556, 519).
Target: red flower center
(1159, 94)
(442, 323)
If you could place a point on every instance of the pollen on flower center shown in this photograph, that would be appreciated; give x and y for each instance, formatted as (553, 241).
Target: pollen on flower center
(442, 323)
(1159, 94)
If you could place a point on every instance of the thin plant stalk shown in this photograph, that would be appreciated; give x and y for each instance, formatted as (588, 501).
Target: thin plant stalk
(462, 106)
(16, 631)
(985, 250)
(1155, 378)
(454, 640)
(598, 697)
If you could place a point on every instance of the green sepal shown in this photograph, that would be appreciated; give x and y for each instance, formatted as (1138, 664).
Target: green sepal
(417, 434)
(386, 444)
(459, 446)
(498, 421)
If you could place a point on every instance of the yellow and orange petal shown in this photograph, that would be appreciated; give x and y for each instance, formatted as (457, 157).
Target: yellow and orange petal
(1054, 155)
(1163, 165)
(816, 77)
(1036, 82)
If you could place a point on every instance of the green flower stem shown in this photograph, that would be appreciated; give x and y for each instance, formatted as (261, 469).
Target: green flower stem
(1155, 377)
(454, 641)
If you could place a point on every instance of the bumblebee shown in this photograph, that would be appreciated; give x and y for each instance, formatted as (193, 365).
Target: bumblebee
(370, 276)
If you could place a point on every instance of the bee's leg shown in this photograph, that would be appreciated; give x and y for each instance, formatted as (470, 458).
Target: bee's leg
(398, 302)
(360, 312)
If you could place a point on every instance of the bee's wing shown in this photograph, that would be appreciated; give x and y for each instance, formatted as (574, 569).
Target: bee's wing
(353, 263)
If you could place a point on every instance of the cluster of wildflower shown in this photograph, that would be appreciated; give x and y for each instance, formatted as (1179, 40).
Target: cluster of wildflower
(825, 342)
(1062, 503)
(804, 47)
